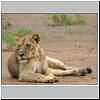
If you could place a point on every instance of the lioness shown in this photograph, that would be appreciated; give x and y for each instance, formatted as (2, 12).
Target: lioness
(29, 63)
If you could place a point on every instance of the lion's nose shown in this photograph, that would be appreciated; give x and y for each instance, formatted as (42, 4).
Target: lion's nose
(21, 54)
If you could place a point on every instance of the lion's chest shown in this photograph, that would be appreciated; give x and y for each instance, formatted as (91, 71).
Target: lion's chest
(37, 67)
(34, 66)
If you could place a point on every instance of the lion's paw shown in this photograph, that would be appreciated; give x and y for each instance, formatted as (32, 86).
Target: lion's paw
(52, 80)
(84, 72)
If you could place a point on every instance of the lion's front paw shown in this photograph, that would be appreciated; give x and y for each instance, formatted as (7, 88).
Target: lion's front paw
(52, 80)
(47, 79)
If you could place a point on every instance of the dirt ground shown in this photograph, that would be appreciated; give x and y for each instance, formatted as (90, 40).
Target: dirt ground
(76, 47)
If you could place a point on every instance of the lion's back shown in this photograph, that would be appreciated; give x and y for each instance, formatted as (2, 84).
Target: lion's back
(13, 66)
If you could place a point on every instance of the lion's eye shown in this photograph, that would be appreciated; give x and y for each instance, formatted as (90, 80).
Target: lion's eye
(28, 45)
(19, 45)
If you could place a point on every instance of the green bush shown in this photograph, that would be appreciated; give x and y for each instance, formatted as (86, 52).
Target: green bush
(54, 19)
(63, 19)
(10, 37)
(23, 31)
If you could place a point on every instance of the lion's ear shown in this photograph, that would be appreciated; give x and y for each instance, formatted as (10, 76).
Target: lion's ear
(36, 37)
(18, 37)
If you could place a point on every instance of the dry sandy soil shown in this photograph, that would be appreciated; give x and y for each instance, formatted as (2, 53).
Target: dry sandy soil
(76, 47)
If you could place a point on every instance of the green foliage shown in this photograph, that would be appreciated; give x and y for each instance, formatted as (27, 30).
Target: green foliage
(23, 31)
(10, 37)
(54, 19)
(63, 19)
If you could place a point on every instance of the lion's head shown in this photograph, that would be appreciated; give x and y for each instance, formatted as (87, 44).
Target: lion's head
(26, 47)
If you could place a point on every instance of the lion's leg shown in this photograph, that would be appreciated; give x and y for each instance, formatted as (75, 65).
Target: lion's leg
(55, 63)
(69, 72)
(37, 77)
(59, 68)
(59, 72)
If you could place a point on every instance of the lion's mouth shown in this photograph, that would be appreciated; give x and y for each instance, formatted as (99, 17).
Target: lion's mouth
(22, 59)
